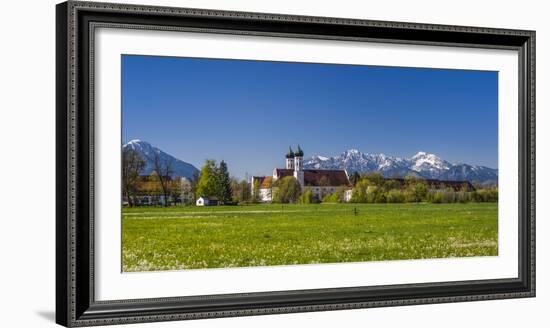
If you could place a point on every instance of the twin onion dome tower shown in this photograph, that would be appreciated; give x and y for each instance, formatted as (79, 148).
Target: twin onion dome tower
(295, 160)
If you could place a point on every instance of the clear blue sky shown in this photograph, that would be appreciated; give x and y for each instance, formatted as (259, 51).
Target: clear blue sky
(249, 112)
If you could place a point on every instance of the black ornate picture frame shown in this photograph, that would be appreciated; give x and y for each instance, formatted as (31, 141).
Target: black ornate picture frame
(75, 301)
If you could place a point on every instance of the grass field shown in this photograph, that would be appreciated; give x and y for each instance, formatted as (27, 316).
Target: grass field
(237, 236)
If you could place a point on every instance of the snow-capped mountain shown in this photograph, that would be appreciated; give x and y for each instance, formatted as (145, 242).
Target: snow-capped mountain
(428, 162)
(422, 164)
(147, 151)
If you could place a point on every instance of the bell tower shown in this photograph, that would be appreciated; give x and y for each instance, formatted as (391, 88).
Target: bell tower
(290, 159)
(299, 166)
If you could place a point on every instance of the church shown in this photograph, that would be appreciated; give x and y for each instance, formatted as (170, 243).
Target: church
(321, 182)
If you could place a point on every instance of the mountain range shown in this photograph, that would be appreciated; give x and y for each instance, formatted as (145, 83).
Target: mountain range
(428, 166)
(147, 152)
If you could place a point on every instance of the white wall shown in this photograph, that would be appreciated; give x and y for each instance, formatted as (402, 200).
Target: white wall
(27, 249)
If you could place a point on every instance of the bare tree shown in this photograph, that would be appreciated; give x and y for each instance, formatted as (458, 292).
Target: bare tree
(185, 191)
(132, 165)
(164, 170)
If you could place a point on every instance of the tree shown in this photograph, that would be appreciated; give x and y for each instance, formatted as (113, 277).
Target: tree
(208, 184)
(337, 197)
(449, 195)
(380, 196)
(374, 179)
(307, 197)
(256, 197)
(412, 179)
(245, 191)
(391, 184)
(186, 191)
(132, 165)
(416, 188)
(360, 192)
(355, 177)
(369, 189)
(164, 171)
(175, 188)
(224, 183)
(372, 193)
(195, 182)
(240, 190)
(417, 191)
(464, 195)
(235, 190)
(288, 190)
(395, 196)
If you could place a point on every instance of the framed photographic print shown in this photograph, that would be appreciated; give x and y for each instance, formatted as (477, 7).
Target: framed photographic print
(214, 163)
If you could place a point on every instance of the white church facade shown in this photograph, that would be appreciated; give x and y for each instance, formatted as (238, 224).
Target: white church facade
(321, 182)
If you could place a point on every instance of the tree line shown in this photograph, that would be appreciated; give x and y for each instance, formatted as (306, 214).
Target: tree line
(374, 188)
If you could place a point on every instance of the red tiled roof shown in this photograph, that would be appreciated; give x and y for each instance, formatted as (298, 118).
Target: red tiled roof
(330, 177)
(315, 177)
(281, 173)
(265, 182)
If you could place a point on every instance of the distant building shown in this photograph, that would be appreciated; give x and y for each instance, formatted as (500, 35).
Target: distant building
(150, 193)
(321, 182)
(207, 201)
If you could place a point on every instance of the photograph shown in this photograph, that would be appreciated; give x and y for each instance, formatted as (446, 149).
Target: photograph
(231, 163)
(281, 162)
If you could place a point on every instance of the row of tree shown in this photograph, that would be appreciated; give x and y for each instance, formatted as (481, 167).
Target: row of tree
(373, 188)
(215, 182)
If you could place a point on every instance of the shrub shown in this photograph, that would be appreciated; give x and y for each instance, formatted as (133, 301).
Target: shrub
(395, 196)
(463, 197)
(485, 195)
(380, 197)
(435, 197)
(374, 179)
(336, 197)
(477, 196)
(417, 191)
(307, 197)
(492, 195)
(360, 194)
(449, 196)
(288, 190)
(372, 194)
(332, 198)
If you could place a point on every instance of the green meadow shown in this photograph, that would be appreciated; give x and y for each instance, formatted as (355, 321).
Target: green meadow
(178, 238)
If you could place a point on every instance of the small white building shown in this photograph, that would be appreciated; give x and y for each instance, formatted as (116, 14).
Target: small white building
(206, 201)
